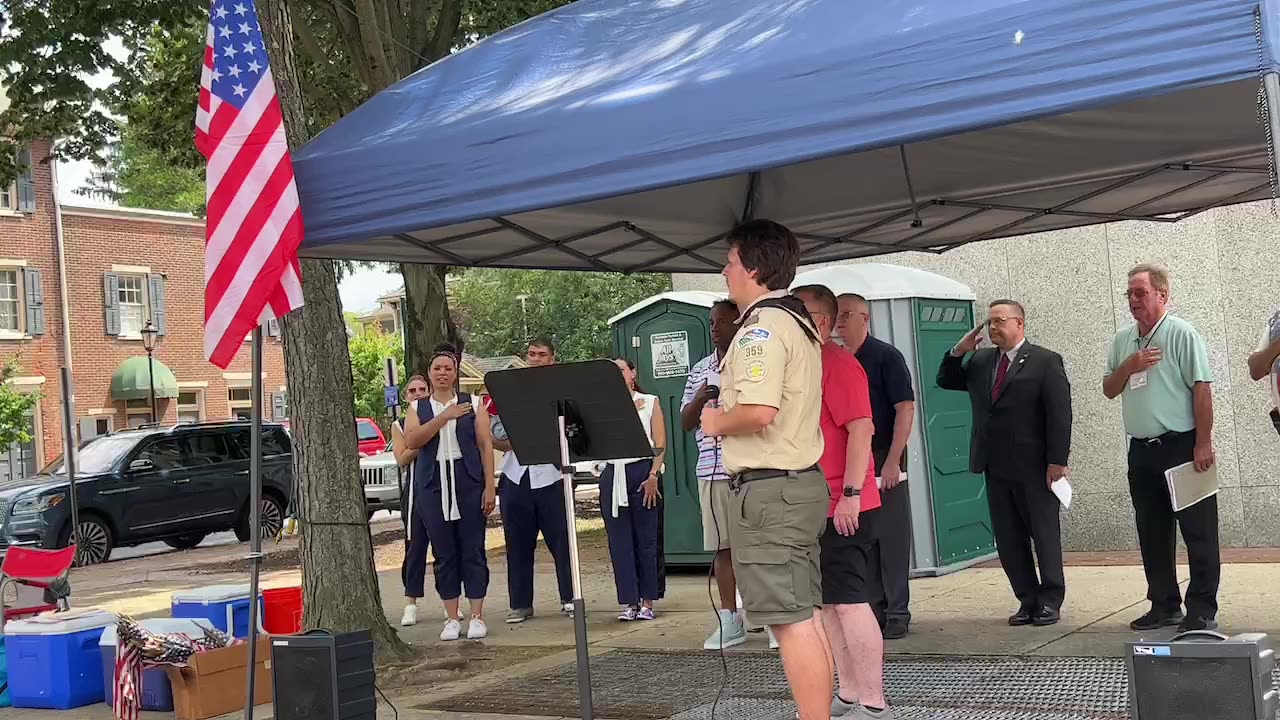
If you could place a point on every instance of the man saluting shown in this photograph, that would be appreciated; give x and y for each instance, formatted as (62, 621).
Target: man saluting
(1021, 441)
(771, 388)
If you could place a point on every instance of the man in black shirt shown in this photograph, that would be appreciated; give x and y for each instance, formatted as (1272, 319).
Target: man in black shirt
(892, 410)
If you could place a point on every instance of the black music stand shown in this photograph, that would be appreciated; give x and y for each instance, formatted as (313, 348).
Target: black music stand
(559, 415)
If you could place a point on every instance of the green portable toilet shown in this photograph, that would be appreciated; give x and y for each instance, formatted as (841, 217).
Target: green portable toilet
(924, 315)
(664, 336)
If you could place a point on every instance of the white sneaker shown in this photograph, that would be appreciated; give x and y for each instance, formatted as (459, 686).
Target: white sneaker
(476, 629)
(452, 629)
(567, 609)
(731, 632)
(410, 616)
(773, 641)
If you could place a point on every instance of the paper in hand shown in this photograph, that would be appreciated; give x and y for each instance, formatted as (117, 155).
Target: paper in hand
(1062, 488)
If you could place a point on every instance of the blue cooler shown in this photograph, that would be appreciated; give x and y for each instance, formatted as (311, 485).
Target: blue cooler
(157, 694)
(54, 661)
(225, 606)
(4, 678)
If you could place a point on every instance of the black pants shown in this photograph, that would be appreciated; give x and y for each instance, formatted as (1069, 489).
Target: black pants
(890, 560)
(1155, 517)
(1024, 511)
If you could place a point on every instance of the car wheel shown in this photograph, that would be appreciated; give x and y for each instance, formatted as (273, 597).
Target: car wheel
(272, 519)
(96, 542)
(185, 542)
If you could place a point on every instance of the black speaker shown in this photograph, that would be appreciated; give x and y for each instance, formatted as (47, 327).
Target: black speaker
(1202, 676)
(321, 676)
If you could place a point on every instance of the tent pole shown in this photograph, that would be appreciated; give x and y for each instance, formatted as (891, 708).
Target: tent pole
(255, 516)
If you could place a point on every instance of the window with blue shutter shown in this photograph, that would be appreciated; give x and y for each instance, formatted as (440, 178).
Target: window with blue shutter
(26, 182)
(111, 302)
(35, 302)
(159, 317)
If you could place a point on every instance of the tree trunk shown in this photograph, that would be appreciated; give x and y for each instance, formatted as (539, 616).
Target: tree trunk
(340, 583)
(426, 316)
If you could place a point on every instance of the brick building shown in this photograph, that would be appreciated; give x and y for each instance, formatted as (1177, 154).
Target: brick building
(123, 267)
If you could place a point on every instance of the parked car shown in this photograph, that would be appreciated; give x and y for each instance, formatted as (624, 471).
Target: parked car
(381, 479)
(369, 437)
(173, 483)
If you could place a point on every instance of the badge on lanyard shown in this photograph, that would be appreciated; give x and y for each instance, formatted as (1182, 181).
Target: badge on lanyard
(1138, 380)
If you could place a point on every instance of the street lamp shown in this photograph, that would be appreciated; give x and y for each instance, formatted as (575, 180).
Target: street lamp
(524, 314)
(149, 333)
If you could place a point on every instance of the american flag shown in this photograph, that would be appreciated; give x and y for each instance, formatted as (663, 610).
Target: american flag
(254, 224)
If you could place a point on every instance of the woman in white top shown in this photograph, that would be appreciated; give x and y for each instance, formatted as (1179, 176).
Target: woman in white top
(453, 491)
(629, 502)
(416, 540)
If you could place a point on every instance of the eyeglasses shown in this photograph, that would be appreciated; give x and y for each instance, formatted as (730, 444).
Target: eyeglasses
(849, 313)
(1138, 294)
(1001, 320)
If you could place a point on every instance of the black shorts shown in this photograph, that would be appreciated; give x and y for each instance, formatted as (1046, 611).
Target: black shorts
(846, 561)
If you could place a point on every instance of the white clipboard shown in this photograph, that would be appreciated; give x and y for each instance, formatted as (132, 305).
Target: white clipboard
(1188, 487)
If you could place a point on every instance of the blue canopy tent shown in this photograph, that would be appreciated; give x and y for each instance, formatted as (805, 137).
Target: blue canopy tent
(632, 134)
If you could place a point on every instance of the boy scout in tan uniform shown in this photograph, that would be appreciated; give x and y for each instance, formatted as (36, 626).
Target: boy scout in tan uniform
(775, 475)
(771, 392)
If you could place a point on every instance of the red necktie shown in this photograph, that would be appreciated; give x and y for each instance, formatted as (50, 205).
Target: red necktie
(1001, 370)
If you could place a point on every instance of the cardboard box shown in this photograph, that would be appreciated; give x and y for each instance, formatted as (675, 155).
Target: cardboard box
(214, 683)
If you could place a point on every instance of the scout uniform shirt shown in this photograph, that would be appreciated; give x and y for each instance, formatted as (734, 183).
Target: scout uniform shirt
(773, 362)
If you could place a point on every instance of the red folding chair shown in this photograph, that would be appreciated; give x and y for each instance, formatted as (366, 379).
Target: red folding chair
(30, 571)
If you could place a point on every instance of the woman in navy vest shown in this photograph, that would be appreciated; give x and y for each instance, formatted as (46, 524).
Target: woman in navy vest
(453, 493)
(416, 540)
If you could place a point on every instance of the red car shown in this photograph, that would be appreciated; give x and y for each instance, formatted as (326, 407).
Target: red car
(369, 437)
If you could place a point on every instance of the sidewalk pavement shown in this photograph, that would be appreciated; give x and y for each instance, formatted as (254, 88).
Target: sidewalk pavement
(959, 614)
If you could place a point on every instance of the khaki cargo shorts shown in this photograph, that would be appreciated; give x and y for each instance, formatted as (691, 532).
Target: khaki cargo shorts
(715, 498)
(774, 531)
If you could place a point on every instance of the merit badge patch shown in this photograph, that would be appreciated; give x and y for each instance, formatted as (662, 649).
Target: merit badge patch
(754, 335)
(756, 370)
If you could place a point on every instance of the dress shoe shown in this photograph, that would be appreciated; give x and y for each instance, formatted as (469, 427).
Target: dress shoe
(894, 629)
(1022, 617)
(1156, 619)
(1192, 622)
(1045, 616)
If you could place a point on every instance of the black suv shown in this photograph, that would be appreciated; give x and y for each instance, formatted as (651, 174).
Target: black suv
(173, 483)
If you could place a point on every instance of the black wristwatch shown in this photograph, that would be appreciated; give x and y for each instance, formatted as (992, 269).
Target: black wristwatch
(850, 491)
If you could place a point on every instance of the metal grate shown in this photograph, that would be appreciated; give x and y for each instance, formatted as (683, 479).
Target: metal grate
(652, 685)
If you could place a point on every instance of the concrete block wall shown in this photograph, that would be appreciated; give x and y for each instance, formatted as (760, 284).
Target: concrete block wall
(1072, 284)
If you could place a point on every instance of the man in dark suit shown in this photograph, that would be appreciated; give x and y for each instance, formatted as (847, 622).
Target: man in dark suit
(1021, 441)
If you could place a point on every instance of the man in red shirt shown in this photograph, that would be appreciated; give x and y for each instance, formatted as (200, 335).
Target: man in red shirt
(847, 427)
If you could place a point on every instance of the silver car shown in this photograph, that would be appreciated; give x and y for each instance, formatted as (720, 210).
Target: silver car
(381, 479)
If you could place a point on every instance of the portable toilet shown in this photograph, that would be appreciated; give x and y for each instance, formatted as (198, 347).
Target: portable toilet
(924, 315)
(664, 336)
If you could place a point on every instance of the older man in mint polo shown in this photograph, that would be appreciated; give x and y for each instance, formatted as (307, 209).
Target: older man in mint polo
(1159, 367)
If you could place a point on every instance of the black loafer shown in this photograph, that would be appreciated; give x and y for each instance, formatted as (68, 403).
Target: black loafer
(1045, 616)
(1191, 622)
(894, 629)
(1156, 619)
(1022, 617)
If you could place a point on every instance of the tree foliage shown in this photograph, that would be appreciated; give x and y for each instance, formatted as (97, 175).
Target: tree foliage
(571, 307)
(369, 350)
(15, 424)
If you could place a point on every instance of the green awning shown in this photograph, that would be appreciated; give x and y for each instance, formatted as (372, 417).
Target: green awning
(132, 382)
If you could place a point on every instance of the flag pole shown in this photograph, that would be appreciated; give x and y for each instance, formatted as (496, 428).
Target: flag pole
(255, 515)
